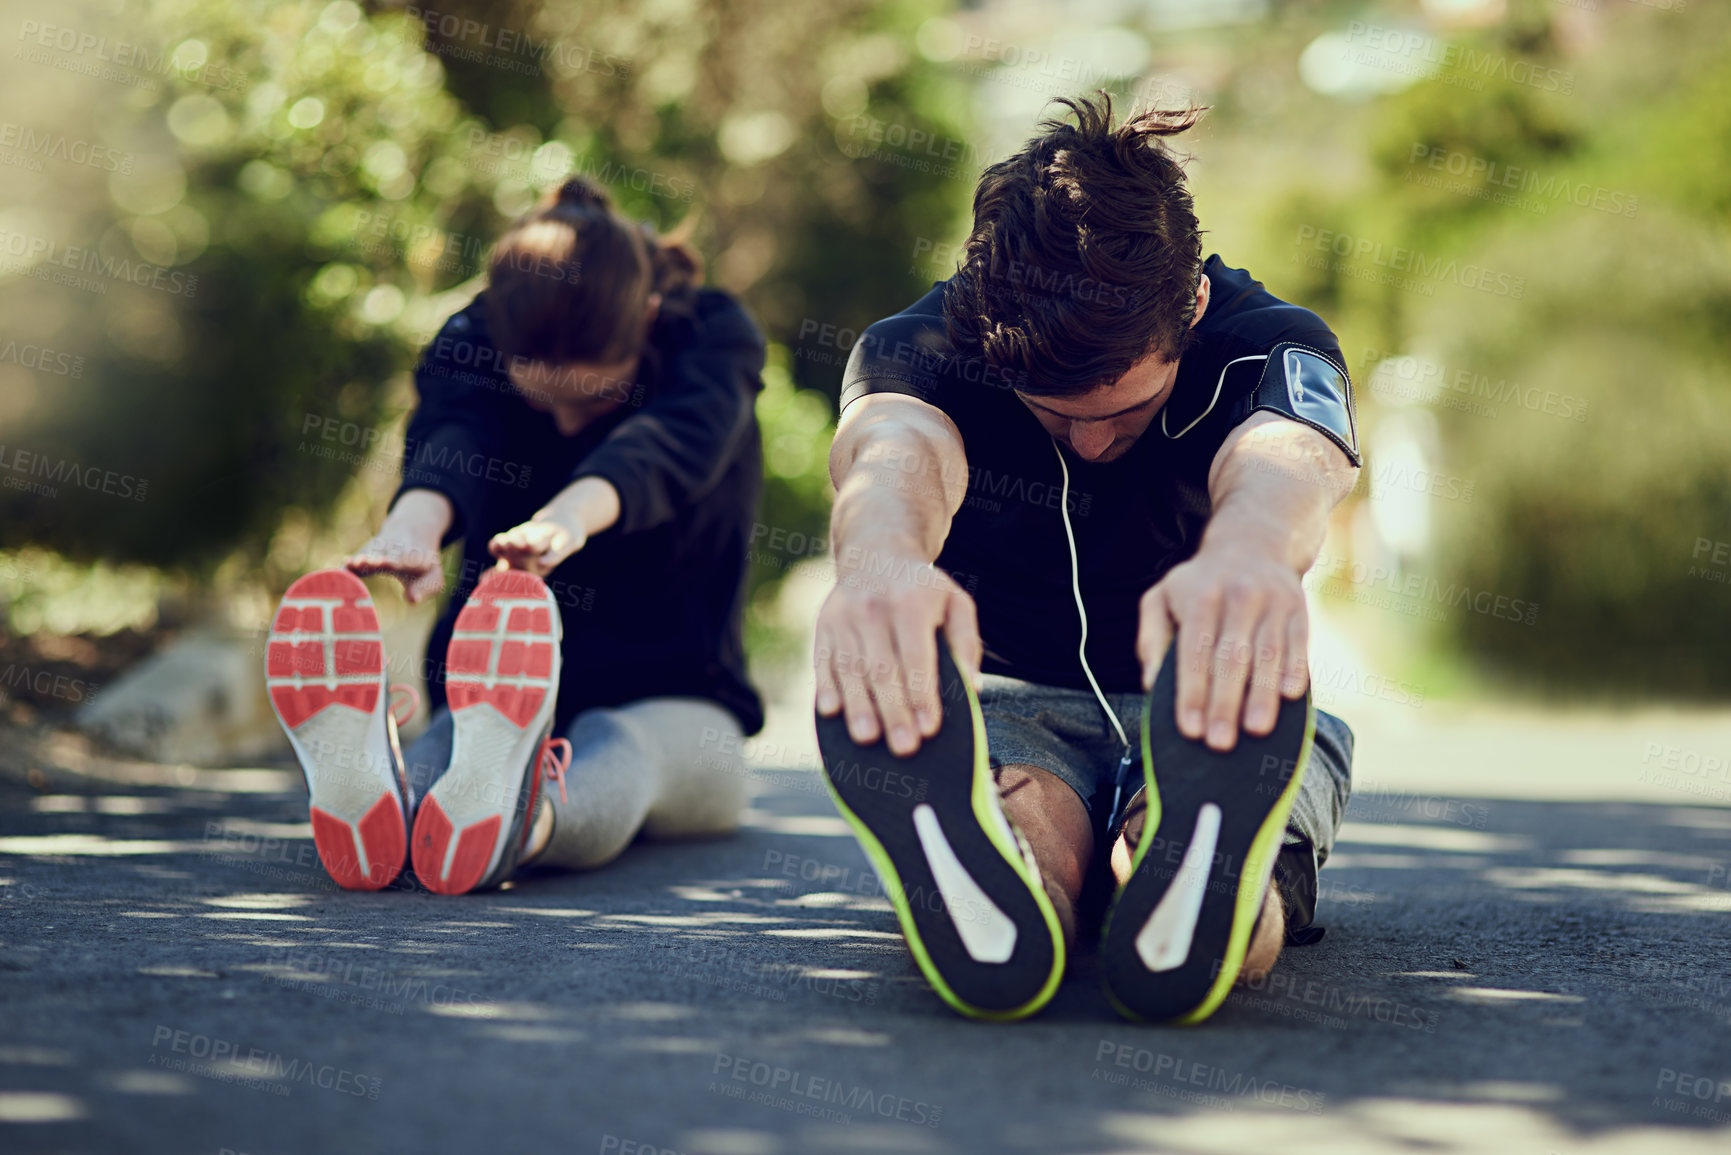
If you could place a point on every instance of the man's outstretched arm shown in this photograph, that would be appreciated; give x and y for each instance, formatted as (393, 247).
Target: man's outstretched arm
(900, 475)
(1243, 632)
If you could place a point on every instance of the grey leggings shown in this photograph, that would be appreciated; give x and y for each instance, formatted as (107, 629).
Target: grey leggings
(669, 767)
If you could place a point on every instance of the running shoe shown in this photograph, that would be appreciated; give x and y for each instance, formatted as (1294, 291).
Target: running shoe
(963, 882)
(325, 670)
(501, 682)
(1178, 930)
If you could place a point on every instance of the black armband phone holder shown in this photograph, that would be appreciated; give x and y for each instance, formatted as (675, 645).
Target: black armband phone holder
(1305, 385)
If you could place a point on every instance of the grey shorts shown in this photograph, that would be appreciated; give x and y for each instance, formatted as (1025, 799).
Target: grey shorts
(1064, 732)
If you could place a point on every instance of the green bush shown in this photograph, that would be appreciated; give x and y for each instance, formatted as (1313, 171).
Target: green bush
(1587, 401)
(329, 178)
(1598, 519)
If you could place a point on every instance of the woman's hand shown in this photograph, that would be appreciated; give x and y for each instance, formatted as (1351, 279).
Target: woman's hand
(560, 528)
(540, 544)
(407, 545)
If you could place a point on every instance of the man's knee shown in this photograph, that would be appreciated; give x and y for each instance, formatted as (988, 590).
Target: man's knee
(1050, 789)
(1051, 815)
(1265, 943)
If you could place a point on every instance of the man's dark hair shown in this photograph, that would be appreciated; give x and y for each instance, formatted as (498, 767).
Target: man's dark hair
(1085, 253)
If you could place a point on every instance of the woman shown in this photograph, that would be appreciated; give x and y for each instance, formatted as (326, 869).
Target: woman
(587, 429)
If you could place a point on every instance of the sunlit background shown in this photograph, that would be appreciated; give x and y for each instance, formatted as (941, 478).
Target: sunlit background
(226, 228)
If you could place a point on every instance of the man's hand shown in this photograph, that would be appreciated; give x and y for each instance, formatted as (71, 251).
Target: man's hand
(407, 545)
(877, 656)
(540, 544)
(1238, 604)
(1243, 640)
(900, 474)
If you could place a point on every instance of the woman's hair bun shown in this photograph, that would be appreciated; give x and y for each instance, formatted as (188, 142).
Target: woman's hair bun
(583, 192)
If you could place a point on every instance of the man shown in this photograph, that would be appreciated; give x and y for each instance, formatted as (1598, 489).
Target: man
(1128, 457)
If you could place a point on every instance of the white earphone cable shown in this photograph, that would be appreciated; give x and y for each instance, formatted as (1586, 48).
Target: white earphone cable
(1076, 588)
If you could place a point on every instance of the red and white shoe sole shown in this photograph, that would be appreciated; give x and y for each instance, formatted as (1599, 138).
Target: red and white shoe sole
(325, 668)
(501, 682)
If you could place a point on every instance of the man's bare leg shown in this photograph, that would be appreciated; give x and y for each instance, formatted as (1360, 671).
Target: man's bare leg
(1270, 934)
(1056, 825)
(1265, 943)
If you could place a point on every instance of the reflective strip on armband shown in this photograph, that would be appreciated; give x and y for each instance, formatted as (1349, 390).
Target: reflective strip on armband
(1306, 385)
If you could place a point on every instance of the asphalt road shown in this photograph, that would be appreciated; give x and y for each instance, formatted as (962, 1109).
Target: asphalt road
(177, 975)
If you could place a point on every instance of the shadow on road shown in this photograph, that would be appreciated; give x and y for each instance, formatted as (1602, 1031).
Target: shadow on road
(177, 973)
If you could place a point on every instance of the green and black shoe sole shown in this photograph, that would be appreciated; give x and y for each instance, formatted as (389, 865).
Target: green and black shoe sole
(1178, 931)
(971, 905)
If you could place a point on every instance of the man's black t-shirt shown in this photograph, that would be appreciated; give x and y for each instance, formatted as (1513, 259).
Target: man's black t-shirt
(1134, 518)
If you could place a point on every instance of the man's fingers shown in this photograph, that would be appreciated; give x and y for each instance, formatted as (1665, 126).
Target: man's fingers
(1197, 634)
(917, 647)
(1153, 635)
(1262, 701)
(1231, 663)
(1296, 674)
(962, 632)
(882, 671)
(889, 687)
(822, 658)
(849, 663)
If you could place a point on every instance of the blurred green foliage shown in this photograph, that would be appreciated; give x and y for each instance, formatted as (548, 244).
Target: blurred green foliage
(1610, 208)
(333, 175)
